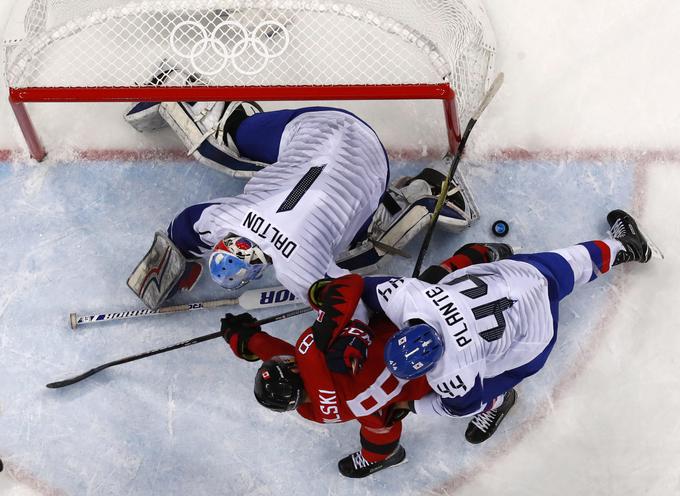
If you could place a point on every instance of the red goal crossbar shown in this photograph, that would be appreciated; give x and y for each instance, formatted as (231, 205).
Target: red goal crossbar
(18, 97)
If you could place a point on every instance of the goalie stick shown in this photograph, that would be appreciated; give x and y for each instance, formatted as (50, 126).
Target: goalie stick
(190, 342)
(249, 300)
(495, 86)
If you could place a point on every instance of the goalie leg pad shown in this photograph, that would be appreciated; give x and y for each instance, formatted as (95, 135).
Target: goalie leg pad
(406, 225)
(200, 127)
(158, 272)
(144, 116)
(365, 256)
(405, 212)
(417, 201)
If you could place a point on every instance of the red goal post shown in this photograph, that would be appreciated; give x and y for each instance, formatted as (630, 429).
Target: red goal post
(285, 50)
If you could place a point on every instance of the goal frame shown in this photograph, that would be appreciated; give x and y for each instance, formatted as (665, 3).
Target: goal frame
(19, 97)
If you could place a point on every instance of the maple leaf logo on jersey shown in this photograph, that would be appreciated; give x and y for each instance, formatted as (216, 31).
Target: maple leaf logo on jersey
(338, 302)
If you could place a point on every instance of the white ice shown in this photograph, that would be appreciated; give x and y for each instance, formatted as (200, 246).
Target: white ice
(586, 121)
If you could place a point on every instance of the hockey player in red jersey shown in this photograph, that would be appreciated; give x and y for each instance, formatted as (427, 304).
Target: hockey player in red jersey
(336, 371)
(349, 381)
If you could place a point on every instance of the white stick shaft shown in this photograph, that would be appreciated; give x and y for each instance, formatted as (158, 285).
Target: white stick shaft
(249, 300)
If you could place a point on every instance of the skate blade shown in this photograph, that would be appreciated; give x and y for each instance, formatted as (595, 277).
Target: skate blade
(405, 460)
(653, 247)
(656, 251)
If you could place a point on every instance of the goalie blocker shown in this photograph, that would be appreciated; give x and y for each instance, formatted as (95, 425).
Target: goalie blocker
(162, 271)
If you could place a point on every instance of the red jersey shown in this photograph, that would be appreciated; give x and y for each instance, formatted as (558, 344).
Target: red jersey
(339, 397)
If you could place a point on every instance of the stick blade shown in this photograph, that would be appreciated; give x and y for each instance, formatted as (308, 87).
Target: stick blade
(73, 380)
(493, 89)
(58, 384)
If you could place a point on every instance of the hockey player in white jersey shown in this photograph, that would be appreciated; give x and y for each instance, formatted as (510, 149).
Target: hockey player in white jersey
(481, 330)
(317, 204)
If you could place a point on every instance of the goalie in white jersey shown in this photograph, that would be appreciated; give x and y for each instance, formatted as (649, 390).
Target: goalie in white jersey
(480, 330)
(317, 204)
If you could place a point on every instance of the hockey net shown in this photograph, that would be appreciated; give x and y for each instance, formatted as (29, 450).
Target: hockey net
(69, 50)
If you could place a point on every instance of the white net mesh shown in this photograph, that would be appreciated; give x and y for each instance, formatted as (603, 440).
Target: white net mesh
(121, 43)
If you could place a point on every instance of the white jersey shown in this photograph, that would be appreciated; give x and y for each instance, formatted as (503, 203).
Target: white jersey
(492, 317)
(306, 208)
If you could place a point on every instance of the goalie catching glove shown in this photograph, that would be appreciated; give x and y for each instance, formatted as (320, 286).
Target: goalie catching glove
(237, 331)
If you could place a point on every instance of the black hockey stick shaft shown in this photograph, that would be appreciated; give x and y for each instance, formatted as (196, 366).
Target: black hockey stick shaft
(190, 342)
(493, 89)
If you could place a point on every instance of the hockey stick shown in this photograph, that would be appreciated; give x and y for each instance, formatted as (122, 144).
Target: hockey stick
(495, 86)
(199, 339)
(249, 300)
(392, 250)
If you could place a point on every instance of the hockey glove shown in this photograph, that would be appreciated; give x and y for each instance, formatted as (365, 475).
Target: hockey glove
(337, 301)
(476, 253)
(396, 412)
(315, 293)
(237, 331)
(348, 352)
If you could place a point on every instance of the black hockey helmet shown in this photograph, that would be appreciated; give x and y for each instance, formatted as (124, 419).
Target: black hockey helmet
(278, 385)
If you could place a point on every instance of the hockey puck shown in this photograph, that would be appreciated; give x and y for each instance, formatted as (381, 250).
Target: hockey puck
(500, 228)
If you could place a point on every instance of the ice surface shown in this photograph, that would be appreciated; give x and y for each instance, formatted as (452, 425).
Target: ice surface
(587, 121)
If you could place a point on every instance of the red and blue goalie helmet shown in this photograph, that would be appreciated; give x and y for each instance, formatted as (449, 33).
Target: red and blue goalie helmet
(235, 261)
(413, 351)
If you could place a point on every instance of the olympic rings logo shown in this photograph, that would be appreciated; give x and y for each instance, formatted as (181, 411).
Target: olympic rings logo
(203, 42)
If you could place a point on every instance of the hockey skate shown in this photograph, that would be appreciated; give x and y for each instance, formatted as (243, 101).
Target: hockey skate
(636, 246)
(483, 425)
(356, 466)
(499, 251)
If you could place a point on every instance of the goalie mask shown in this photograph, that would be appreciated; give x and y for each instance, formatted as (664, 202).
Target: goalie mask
(278, 385)
(235, 261)
(413, 351)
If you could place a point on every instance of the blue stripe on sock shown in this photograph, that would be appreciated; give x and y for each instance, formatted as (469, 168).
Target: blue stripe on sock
(595, 255)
